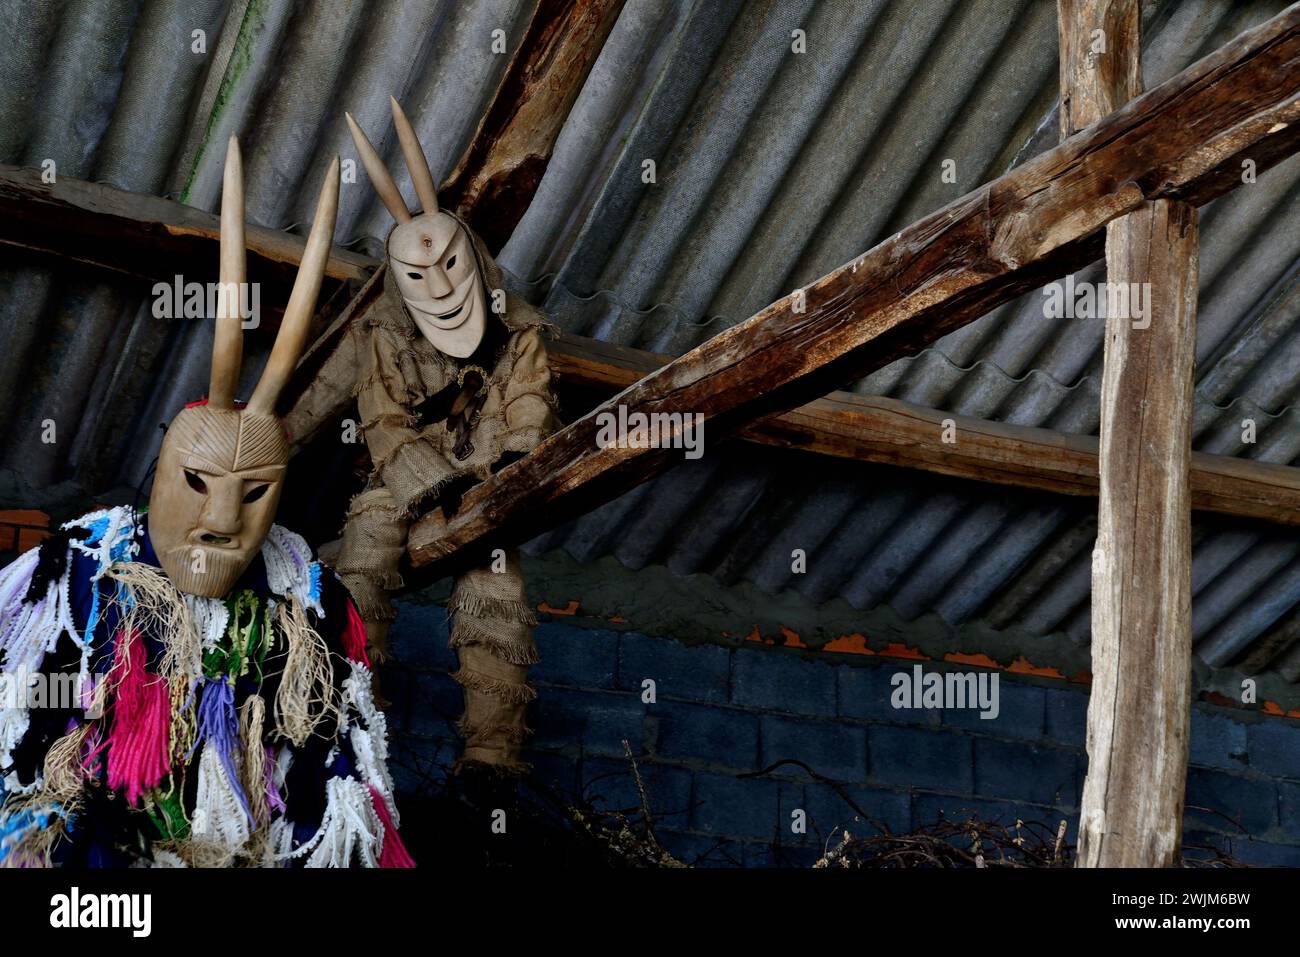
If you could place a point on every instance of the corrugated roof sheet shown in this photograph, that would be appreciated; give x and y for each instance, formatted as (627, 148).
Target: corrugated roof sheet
(771, 168)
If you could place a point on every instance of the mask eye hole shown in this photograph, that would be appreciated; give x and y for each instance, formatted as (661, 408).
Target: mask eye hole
(196, 483)
(255, 494)
(415, 275)
(451, 262)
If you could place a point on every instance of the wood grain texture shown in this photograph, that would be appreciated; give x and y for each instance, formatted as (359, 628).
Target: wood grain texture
(494, 182)
(1139, 712)
(1182, 140)
(891, 432)
(1139, 708)
(145, 236)
(1100, 59)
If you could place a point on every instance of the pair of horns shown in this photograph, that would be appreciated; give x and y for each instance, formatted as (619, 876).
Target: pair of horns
(416, 162)
(228, 342)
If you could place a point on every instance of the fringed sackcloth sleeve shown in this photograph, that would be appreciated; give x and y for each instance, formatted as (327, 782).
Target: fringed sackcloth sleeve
(529, 404)
(406, 461)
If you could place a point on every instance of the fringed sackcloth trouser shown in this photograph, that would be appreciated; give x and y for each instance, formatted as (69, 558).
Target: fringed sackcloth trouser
(491, 626)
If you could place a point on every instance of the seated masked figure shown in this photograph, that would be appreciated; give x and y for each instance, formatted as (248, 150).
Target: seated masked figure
(187, 686)
(450, 390)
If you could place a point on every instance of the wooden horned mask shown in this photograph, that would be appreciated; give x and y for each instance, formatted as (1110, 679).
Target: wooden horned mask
(431, 255)
(222, 463)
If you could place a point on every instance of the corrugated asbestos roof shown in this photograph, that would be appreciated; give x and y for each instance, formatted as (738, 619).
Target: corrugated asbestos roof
(770, 169)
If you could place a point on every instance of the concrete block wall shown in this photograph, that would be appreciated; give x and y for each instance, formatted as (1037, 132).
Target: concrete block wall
(723, 714)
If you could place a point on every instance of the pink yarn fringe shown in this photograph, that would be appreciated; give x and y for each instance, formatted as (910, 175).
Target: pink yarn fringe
(394, 852)
(354, 636)
(137, 746)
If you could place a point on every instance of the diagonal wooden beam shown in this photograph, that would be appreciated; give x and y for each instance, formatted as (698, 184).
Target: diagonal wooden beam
(1185, 139)
(495, 180)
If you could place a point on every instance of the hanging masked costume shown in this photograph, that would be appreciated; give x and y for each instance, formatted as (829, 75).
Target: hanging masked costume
(189, 687)
(448, 391)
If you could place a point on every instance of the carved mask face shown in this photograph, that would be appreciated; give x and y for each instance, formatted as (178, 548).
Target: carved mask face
(431, 255)
(221, 467)
(433, 263)
(215, 494)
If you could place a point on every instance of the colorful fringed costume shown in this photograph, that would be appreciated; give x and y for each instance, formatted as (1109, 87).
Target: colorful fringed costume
(148, 727)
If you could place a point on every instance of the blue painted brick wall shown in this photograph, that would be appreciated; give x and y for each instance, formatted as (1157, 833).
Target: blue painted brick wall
(721, 716)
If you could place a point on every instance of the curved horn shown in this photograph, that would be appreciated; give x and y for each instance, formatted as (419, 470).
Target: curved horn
(292, 337)
(416, 162)
(228, 337)
(379, 175)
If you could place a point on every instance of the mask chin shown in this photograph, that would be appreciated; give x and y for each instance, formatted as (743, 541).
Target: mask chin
(461, 341)
(204, 572)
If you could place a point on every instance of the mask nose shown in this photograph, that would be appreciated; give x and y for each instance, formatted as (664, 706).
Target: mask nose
(439, 284)
(221, 519)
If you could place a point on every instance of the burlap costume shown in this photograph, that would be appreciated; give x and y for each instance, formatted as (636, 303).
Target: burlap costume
(423, 456)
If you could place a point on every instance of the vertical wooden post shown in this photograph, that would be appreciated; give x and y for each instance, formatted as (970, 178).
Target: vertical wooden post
(1139, 712)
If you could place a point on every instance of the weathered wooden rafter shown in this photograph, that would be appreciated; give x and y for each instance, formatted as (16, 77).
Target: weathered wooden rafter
(145, 236)
(495, 180)
(888, 431)
(158, 238)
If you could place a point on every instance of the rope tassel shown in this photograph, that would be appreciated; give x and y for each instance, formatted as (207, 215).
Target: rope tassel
(306, 696)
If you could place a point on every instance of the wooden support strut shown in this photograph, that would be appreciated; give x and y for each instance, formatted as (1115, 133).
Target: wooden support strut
(1139, 710)
(495, 180)
(1185, 139)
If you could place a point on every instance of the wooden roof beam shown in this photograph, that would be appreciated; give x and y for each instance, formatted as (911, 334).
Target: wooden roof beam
(153, 239)
(867, 428)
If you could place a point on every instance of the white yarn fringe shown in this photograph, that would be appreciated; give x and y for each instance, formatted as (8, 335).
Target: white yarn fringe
(117, 542)
(350, 827)
(369, 735)
(218, 817)
(289, 567)
(27, 633)
(211, 619)
(163, 859)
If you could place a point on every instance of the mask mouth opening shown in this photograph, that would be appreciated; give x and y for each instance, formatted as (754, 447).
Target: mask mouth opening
(207, 538)
(453, 314)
